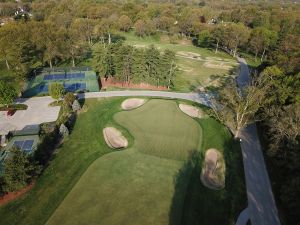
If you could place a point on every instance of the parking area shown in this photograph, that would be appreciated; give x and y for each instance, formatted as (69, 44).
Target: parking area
(38, 112)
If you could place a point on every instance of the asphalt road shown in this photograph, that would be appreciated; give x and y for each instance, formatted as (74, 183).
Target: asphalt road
(262, 208)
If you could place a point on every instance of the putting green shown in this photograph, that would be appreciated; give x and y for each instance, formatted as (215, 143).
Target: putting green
(140, 185)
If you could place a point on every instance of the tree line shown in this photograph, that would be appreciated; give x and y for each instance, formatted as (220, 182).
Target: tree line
(130, 64)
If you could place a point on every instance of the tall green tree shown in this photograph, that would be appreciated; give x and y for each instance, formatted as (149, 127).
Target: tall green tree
(56, 90)
(169, 67)
(19, 170)
(7, 93)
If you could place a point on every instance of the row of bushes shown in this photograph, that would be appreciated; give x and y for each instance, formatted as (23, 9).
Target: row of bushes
(13, 107)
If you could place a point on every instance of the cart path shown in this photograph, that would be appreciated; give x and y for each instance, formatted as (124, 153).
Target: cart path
(262, 208)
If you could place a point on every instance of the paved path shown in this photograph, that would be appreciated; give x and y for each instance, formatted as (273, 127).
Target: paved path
(201, 98)
(38, 112)
(243, 217)
(261, 204)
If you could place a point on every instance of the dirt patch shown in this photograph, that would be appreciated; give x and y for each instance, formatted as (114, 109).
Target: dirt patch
(10, 196)
(217, 65)
(132, 103)
(189, 55)
(140, 46)
(110, 82)
(192, 111)
(114, 138)
(213, 59)
(213, 170)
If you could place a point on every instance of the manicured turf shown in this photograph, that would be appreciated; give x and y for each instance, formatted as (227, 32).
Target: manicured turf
(131, 186)
(128, 187)
(161, 129)
(192, 73)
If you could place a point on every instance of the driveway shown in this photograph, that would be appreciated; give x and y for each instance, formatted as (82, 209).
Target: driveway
(38, 112)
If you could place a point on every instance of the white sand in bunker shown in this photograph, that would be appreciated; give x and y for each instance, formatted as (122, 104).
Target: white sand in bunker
(114, 138)
(132, 103)
(213, 170)
(191, 111)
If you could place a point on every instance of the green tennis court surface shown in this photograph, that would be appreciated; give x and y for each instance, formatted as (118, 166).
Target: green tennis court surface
(73, 81)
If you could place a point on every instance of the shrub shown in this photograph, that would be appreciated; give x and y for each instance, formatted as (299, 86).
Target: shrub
(69, 98)
(56, 90)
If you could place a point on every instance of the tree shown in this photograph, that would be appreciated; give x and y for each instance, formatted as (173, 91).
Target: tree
(218, 35)
(124, 23)
(152, 63)
(169, 67)
(204, 38)
(54, 43)
(7, 93)
(139, 28)
(237, 108)
(19, 170)
(69, 98)
(281, 85)
(261, 39)
(236, 35)
(56, 90)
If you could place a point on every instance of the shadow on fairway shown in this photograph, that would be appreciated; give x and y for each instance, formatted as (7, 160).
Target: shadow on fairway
(194, 203)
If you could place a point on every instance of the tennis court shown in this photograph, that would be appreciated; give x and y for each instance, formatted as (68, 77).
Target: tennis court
(73, 81)
(27, 143)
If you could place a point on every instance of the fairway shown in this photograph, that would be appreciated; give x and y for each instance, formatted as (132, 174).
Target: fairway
(137, 185)
(193, 73)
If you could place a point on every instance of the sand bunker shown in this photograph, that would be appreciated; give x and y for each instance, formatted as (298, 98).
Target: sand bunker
(192, 111)
(213, 170)
(114, 138)
(132, 103)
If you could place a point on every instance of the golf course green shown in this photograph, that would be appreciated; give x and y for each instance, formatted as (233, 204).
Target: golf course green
(155, 180)
(136, 185)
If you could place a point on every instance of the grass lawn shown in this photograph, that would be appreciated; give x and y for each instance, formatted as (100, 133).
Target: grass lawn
(192, 73)
(154, 181)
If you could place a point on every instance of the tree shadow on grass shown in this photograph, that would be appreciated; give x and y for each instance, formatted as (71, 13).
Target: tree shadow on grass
(181, 181)
(195, 204)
